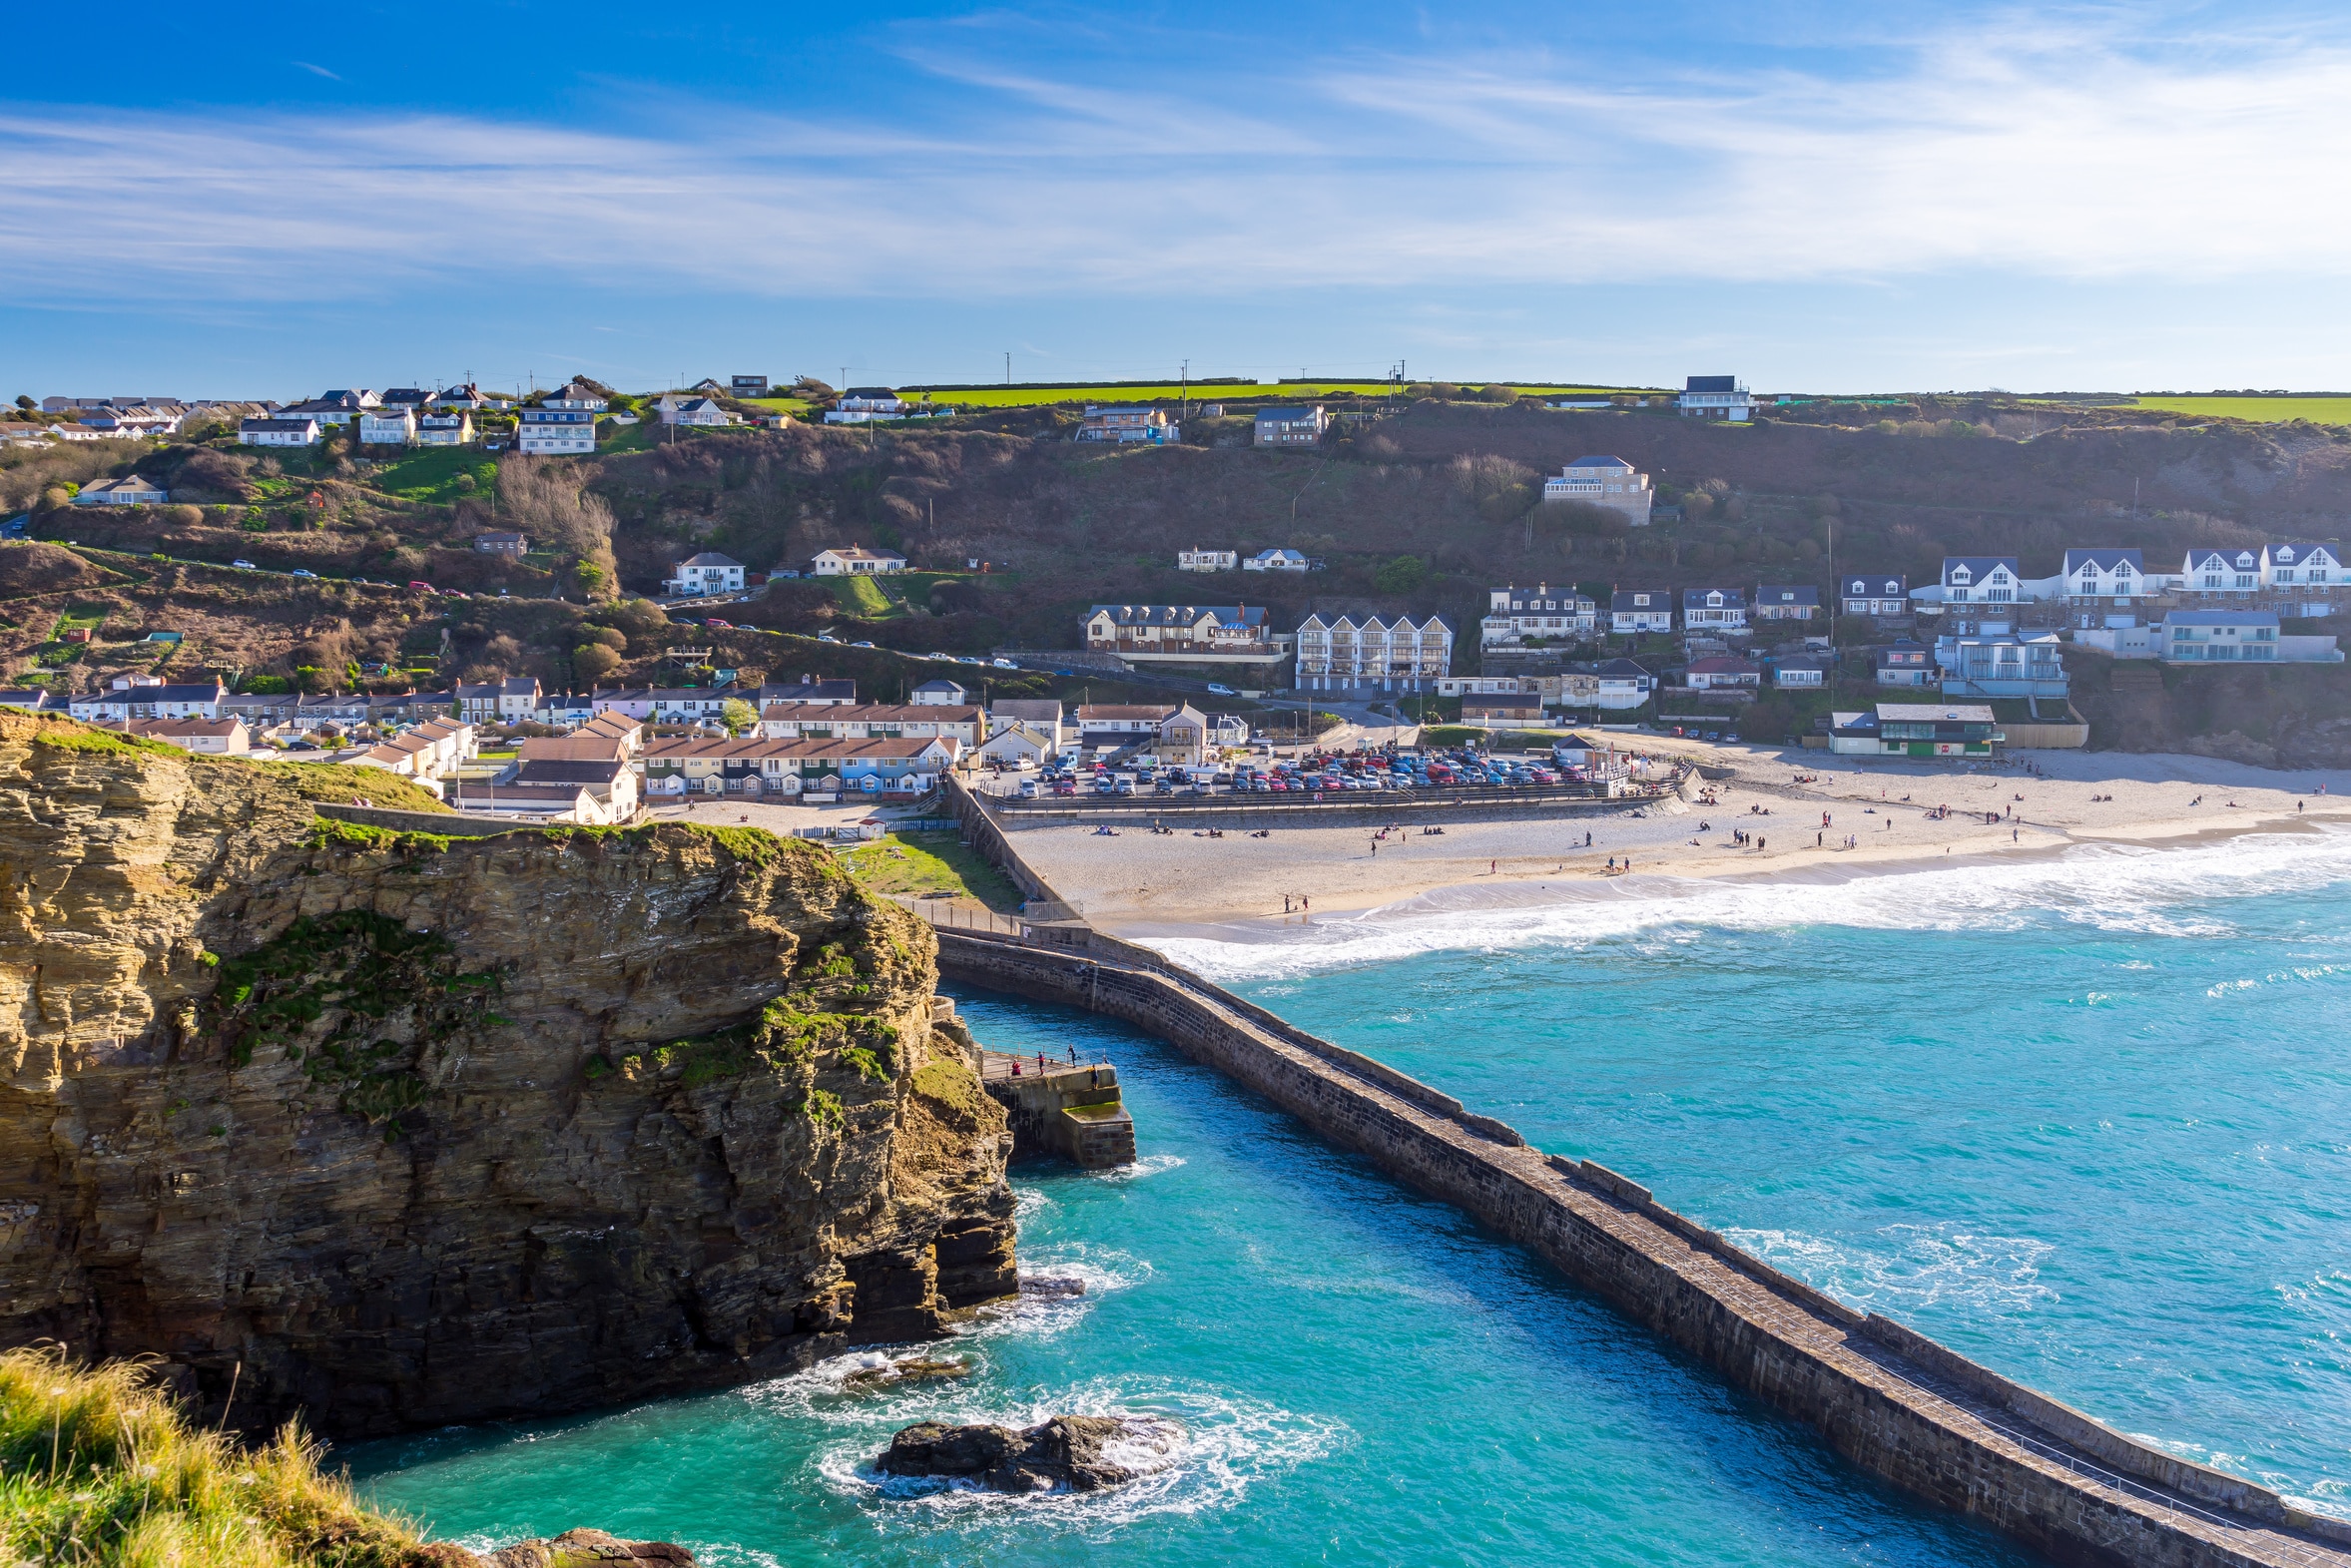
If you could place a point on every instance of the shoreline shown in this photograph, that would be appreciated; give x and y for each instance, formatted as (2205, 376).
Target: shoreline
(1137, 883)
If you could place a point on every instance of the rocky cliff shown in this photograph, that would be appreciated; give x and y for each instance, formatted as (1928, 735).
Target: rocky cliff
(398, 1130)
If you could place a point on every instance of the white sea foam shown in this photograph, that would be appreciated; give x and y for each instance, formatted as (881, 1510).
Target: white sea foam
(1904, 1267)
(1201, 1449)
(2118, 887)
(1103, 1271)
(1149, 1165)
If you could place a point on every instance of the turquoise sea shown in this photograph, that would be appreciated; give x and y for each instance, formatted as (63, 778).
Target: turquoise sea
(2086, 1119)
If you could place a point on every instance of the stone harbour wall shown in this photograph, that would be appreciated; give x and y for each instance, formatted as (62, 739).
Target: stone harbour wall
(1901, 1406)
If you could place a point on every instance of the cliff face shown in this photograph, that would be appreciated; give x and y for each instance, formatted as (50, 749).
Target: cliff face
(401, 1130)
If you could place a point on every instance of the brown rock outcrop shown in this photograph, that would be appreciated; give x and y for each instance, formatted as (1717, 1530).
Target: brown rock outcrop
(1068, 1451)
(400, 1130)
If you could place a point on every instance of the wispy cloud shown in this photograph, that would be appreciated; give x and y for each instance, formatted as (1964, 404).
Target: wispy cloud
(317, 70)
(2073, 152)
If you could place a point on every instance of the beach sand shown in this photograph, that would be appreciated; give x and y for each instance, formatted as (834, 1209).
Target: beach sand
(1142, 884)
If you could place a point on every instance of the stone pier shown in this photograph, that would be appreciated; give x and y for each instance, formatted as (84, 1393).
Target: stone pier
(1072, 1110)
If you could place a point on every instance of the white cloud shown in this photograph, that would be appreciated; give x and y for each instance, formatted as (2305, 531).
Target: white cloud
(2009, 150)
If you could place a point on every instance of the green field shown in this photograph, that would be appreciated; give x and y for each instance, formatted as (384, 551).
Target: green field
(431, 473)
(798, 407)
(861, 597)
(2265, 410)
(932, 863)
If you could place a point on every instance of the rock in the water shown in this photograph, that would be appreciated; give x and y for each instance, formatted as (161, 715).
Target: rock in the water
(1066, 1452)
(1057, 1285)
(587, 1549)
(913, 1369)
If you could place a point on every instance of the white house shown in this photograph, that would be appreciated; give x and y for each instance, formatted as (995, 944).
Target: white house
(758, 766)
(1019, 741)
(1800, 672)
(2103, 586)
(1640, 610)
(1115, 724)
(209, 737)
(1379, 653)
(2221, 573)
(555, 431)
(1724, 673)
(864, 404)
(1786, 601)
(130, 491)
(1876, 595)
(1717, 397)
(1980, 592)
(1276, 561)
(278, 432)
(388, 426)
(446, 430)
(857, 561)
(1207, 560)
(1515, 616)
(1619, 683)
(871, 721)
(1603, 481)
(706, 573)
(409, 398)
(467, 397)
(701, 412)
(939, 694)
(135, 419)
(1198, 634)
(1713, 610)
(2307, 577)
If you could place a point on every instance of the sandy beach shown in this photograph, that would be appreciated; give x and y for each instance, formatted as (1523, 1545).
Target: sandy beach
(1851, 818)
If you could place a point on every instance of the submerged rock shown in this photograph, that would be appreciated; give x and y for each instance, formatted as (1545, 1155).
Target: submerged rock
(913, 1369)
(586, 1549)
(1060, 1285)
(1064, 1453)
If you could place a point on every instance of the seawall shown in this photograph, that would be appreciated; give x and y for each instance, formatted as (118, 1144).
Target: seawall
(1893, 1401)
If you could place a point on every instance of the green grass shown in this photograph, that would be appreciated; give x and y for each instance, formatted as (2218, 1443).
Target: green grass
(431, 473)
(98, 1469)
(932, 863)
(798, 407)
(863, 597)
(338, 784)
(2266, 410)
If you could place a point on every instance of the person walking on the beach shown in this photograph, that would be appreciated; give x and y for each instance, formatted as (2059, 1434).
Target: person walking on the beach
(1491, 866)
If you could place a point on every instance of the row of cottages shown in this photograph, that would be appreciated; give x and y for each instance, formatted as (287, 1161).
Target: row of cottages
(758, 766)
(1126, 426)
(587, 777)
(1263, 560)
(789, 721)
(426, 753)
(1609, 482)
(1616, 685)
(1373, 653)
(1182, 633)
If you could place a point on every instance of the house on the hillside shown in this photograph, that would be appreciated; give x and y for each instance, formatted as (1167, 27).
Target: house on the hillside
(1981, 593)
(445, 429)
(555, 431)
(1126, 426)
(1290, 426)
(1717, 397)
(1172, 632)
(2305, 579)
(699, 412)
(1876, 595)
(1378, 653)
(865, 404)
(1207, 560)
(1905, 663)
(1604, 482)
(2105, 587)
(1546, 612)
(466, 397)
(1713, 610)
(1640, 610)
(706, 573)
(131, 490)
(512, 546)
(577, 396)
(1620, 684)
(939, 694)
(857, 561)
(1786, 602)
(2001, 664)
(388, 426)
(1278, 561)
(1724, 673)
(1800, 672)
(2217, 576)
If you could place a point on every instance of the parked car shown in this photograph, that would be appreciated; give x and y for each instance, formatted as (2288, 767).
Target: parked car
(720, 626)
(302, 571)
(244, 566)
(1221, 691)
(1004, 664)
(860, 645)
(420, 586)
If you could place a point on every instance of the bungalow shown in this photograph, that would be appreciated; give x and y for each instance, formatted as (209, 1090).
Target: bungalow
(1876, 595)
(387, 427)
(1276, 561)
(857, 561)
(1713, 610)
(1640, 610)
(130, 491)
(1915, 729)
(706, 573)
(1207, 560)
(512, 546)
(210, 736)
(466, 397)
(1724, 674)
(870, 721)
(577, 396)
(412, 398)
(1800, 672)
(696, 412)
(1515, 616)
(754, 767)
(336, 408)
(1905, 663)
(545, 768)
(1786, 602)
(939, 694)
(134, 419)
(2105, 586)
(864, 404)
(1290, 426)
(33, 699)
(281, 431)
(1019, 741)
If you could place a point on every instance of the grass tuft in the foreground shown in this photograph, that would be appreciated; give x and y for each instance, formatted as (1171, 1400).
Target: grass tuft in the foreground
(99, 1470)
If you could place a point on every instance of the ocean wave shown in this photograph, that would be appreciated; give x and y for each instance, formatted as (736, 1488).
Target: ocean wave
(1208, 1448)
(1913, 1266)
(1103, 1270)
(2114, 888)
(1148, 1165)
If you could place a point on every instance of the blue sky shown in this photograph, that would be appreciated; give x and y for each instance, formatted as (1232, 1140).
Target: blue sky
(1823, 197)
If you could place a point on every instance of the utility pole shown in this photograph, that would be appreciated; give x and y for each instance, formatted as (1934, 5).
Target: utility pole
(1007, 367)
(1184, 403)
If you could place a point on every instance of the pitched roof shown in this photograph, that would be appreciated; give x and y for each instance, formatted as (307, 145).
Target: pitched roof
(1287, 415)
(1875, 587)
(868, 713)
(852, 750)
(1786, 593)
(1723, 664)
(1112, 712)
(1181, 614)
(1695, 598)
(2104, 558)
(1640, 599)
(1601, 462)
(861, 553)
(710, 558)
(1976, 565)
(2299, 554)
